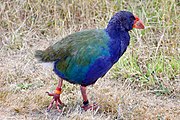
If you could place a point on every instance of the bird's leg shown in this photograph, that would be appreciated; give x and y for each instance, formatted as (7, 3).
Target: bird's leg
(86, 104)
(56, 96)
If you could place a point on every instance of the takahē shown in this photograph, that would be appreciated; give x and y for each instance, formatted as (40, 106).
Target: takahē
(83, 57)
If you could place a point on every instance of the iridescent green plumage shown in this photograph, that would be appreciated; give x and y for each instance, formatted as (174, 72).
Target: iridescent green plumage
(75, 53)
(82, 42)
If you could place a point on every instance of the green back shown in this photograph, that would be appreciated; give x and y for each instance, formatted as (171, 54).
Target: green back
(77, 52)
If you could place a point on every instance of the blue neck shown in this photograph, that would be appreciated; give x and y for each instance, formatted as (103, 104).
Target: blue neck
(119, 40)
(112, 30)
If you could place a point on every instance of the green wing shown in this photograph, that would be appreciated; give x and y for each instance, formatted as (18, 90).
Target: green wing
(83, 45)
(75, 53)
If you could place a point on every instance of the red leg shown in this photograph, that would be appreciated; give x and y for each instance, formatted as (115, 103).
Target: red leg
(83, 92)
(60, 83)
(86, 105)
(56, 96)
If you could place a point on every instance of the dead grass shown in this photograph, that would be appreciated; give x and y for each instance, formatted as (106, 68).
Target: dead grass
(144, 84)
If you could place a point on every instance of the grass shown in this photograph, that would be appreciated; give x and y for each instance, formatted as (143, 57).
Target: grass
(143, 84)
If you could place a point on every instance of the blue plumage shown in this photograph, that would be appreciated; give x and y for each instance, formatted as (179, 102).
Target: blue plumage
(85, 56)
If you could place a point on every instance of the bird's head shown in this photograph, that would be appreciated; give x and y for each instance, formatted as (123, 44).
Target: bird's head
(125, 21)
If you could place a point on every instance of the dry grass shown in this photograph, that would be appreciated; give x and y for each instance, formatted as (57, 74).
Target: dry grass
(144, 84)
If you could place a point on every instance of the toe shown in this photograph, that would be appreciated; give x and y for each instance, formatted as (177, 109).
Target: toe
(90, 107)
(57, 106)
(50, 105)
(50, 94)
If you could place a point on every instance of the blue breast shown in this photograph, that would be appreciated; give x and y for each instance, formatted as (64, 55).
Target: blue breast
(117, 47)
(111, 50)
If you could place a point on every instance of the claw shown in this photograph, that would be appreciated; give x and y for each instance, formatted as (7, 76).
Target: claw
(93, 106)
(50, 94)
(56, 99)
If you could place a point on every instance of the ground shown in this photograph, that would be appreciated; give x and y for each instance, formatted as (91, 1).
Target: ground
(121, 102)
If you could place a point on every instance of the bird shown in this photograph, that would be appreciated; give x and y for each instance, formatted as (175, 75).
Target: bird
(85, 56)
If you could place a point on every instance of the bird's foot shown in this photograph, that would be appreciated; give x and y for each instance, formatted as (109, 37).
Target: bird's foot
(56, 99)
(88, 106)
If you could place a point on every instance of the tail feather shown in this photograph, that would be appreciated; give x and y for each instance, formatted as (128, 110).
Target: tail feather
(48, 55)
(39, 54)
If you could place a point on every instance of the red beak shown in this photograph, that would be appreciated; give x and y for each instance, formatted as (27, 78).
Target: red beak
(138, 23)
